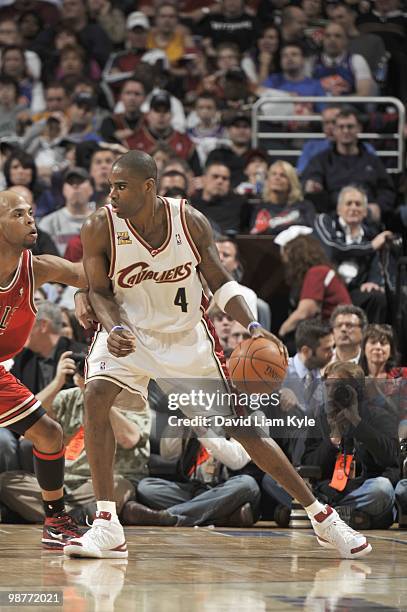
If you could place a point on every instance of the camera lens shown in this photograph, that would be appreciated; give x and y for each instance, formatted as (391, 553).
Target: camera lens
(343, 395)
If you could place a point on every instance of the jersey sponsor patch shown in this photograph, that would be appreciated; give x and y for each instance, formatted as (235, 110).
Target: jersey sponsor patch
(123, 238)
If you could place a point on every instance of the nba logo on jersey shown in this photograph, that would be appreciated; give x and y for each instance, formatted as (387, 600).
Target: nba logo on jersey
(178, 238)
(123, 238)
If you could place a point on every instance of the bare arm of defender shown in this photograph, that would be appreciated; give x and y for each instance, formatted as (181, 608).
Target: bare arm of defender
(53, 269)
(96, 261)
(224, 288)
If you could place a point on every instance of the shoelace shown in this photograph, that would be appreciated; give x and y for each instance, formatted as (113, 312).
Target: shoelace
(346, 532)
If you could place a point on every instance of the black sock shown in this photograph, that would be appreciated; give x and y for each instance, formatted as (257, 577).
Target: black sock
(54, 507)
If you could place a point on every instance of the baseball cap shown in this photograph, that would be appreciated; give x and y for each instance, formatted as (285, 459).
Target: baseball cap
(137, 19)
(291, 233)
(85, 99)
(161, 99)
(76, 172)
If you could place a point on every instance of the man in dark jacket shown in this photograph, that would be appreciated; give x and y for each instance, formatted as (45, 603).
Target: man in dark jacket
(347, 161)
(355, 444)
(353, 246)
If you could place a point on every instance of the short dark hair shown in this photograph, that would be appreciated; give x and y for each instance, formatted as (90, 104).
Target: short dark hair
(381, 333)
(207, 95)
(26, 160)
(297, 45)
(309, 333)
(138, 162)
(344, 113)
(351, 309)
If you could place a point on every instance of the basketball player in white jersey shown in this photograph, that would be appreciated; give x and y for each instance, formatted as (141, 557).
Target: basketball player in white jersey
(143, 255)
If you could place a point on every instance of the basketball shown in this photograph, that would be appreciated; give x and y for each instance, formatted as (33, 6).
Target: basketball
(257, 366)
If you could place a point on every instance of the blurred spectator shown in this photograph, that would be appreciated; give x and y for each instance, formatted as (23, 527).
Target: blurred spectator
(237, 334)
(72, 64)
(118, 127)
(379, 360)
(256, 166)
(101, 162)
(385, 19)
(20, 169)
(315, 146)
(67, 221)
(368, 45)
(91, 35)
(9, 106)
(56, 101)
(82, 118)
(206, 131)
(121, 64)
(30, 25)
(231, 24)
(168, 34)
(11, 34)
(110, 18)
(293, 77)
(180, 165)
(353, 247)
(348, 323)
(266, 56)
(293, 28)
(44, 244)
(315, 286)
(239, 131)
(283, 202)
(217, 202)
(342, 72)
(347, 161)
(172, 179)
(366, 430)
(71, 328)
(222, 323)
(13, 64)
(229, 255)
(156, 129)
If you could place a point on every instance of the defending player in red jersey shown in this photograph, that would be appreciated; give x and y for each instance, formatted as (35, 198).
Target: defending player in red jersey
(20, 411)
(143, 256)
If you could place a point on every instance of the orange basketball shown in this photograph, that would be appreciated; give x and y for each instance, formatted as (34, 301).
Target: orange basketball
(257, 366)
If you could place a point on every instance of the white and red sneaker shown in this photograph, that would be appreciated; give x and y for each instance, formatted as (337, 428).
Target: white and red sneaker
(333, 532)
(104, 540)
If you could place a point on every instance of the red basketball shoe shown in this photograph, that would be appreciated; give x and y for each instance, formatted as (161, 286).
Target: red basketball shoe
(58, 530)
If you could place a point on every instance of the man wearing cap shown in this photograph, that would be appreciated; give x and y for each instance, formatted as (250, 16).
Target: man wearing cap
(239, 131)
(137, 26)
(67, 221)
(120, 126)
(156, 130)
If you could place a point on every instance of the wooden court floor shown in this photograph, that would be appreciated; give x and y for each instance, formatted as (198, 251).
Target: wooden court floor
(208, 570)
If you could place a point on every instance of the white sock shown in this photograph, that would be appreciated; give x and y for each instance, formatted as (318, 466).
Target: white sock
(314, 508)
(107, 506)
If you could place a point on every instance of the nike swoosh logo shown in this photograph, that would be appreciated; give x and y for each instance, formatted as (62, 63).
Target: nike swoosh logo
(55, 536)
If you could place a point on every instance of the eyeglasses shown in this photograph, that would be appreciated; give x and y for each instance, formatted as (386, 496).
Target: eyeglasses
(347, 325)
(346, 126)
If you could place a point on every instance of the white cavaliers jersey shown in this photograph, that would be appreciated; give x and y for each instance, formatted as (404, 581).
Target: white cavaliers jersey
(159, 289)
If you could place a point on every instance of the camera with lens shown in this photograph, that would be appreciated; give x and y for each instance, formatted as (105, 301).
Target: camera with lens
(79, 359)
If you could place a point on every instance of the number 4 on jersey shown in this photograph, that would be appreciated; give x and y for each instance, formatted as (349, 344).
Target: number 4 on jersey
(181, 299)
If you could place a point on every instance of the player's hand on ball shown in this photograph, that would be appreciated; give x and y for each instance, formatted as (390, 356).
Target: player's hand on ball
(260, 332)
(121, 342)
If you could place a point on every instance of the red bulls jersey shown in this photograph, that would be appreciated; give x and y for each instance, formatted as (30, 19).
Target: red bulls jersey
(17, 310)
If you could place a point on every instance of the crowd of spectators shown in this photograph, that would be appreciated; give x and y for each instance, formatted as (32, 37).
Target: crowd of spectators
(82, 82)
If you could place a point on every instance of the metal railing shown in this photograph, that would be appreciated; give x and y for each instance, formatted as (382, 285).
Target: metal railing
(259, 117)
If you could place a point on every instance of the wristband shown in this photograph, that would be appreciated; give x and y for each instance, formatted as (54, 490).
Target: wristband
(118, 328)
(253, 325)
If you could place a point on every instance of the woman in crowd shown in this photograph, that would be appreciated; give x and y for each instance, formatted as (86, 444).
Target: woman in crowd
(316, 288)
(379, 361)
(20, 169)
(265, 59)
(284, 204)
(13, 64)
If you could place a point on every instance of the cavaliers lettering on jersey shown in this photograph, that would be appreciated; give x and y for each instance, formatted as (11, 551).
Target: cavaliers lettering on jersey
(17, 309)
(159, 289)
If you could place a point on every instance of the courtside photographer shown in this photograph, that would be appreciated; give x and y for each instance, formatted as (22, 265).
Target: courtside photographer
(356, 446)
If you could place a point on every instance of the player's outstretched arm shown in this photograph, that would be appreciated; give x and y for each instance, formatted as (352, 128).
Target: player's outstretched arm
(53, 269)
(96, 261)
(225, 289)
